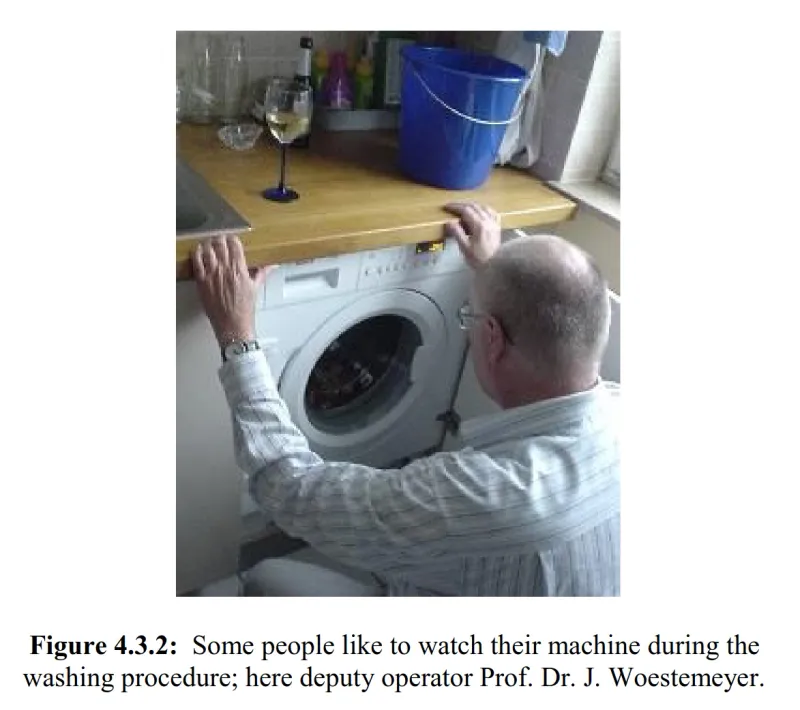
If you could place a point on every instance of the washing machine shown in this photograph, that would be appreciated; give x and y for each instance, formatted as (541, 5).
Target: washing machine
(366, 349)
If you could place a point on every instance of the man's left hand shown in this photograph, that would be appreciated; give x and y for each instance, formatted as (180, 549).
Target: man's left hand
(227, 290)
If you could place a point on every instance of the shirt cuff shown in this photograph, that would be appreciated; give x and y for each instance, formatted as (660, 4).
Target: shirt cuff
(245, 375)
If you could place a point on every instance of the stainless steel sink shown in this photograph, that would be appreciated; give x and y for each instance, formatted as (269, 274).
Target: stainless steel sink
(199, 211)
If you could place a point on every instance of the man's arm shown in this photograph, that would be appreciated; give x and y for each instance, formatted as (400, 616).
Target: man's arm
(379, 519)
(388, 520)
(264, 434)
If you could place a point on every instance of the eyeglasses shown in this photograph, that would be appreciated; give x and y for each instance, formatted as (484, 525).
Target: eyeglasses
(467, 318)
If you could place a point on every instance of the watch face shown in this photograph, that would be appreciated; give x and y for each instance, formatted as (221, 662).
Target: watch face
(234, 349)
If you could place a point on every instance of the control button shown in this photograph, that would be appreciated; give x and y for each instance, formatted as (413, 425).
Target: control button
(367, 271)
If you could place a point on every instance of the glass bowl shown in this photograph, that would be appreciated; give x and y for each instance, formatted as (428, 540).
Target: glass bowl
(240, 136)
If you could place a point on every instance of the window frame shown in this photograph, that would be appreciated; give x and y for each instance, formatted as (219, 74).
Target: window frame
(611, 170)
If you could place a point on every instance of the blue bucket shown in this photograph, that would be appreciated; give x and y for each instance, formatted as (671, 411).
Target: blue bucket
(455, 108)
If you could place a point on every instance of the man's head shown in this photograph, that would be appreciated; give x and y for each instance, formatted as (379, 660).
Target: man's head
(542, 320)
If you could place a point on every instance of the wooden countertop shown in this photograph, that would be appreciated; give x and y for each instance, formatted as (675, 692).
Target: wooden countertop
(352, 196)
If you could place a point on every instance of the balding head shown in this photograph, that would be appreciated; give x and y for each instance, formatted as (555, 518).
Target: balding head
(552, 302)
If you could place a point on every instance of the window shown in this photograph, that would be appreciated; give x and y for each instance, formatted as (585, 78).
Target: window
(611, 172)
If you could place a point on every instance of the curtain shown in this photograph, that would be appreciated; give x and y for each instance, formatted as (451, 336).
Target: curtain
(522, 141)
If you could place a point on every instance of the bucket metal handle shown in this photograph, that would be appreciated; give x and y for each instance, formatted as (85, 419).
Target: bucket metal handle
(518, 108)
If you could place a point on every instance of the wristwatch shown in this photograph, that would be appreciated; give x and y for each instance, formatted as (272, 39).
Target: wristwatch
(238, 347)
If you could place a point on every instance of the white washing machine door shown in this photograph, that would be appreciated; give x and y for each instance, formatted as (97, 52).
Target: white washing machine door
(356, 377)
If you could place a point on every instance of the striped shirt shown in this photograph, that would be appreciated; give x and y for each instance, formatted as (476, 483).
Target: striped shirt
(529, 507)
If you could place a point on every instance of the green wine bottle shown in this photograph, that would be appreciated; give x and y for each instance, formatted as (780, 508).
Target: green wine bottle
(303, 77)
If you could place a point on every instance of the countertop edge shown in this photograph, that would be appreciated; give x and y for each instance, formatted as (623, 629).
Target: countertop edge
(259, 254)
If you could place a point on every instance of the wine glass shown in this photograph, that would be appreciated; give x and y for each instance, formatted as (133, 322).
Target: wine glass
(287, 112)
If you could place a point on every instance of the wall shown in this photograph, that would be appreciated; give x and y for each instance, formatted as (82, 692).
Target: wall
(597, 235)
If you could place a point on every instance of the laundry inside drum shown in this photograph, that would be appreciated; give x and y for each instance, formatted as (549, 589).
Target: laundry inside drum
(362, 374)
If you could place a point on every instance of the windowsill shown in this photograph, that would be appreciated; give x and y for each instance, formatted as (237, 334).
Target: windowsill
(598, 196)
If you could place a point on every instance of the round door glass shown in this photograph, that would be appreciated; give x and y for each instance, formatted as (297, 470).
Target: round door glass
(362, 374)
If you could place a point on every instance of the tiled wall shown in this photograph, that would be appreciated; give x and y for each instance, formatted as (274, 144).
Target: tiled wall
(268, 53)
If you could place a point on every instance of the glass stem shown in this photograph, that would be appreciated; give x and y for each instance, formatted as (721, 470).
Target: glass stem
(282, 185)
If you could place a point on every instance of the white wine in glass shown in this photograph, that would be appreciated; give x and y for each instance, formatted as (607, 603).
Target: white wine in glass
(287, 112)
(286, 126)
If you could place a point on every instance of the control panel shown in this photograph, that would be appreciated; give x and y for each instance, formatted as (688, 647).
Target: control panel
(383, 267)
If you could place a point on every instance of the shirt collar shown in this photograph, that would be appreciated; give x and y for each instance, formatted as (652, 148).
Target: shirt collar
(561, 415)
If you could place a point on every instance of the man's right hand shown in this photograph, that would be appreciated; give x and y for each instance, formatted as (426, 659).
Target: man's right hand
(227, 290)
(477, 231)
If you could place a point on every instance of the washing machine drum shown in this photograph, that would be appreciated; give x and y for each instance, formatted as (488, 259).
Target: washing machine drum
(357, 376)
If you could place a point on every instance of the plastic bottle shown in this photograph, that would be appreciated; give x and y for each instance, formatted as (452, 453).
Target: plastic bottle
(338, 92)
(364, 83)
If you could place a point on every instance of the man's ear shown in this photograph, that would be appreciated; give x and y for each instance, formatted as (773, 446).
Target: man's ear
(496, 344)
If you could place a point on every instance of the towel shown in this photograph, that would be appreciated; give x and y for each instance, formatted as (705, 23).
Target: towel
(552, 40)
(522, 141)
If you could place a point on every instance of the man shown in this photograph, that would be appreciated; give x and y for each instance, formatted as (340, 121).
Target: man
(529, 507)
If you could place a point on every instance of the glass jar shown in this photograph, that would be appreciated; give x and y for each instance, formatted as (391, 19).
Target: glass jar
(233, 80)
(201, 98)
